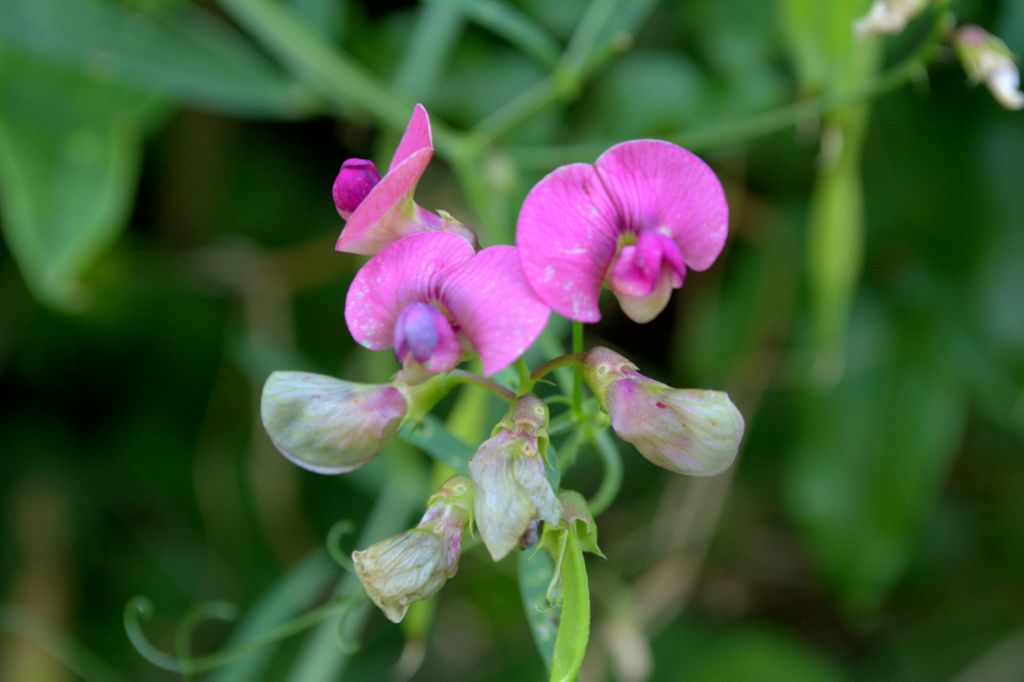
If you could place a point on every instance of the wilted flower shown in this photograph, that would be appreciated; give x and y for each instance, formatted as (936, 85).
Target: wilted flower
(687, 431)
(888, 16)
(327, 425)
(430, 297)
(415, 564)
(508, 471)
(380, 210)
(635, 220)
(986, 58)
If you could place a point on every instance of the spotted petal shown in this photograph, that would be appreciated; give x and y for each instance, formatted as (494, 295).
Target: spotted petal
(567, 237)
(407, 271)
(657, 185)
(494, 306)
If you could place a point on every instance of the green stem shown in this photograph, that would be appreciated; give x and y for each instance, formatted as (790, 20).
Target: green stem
(577, 384)
(612, 481)
(140, 608)
(765, 123)
(552, 365)
(461, 376)
(526, 380)
(341, 80)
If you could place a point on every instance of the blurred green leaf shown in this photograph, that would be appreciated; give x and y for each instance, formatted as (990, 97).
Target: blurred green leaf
(296, 590)
(180, 52)
(508, 22)
(667, 84)
(433, 438)
(69, 160)
(326, 17)
(869, 459)
(758, 653)
(824, 49)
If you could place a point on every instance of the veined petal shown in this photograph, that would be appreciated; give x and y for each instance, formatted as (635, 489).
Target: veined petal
(407, 271)
(660, 186)
(496, 309)
(388, 213)
(327, 425)
(566, 236)
(416, 137)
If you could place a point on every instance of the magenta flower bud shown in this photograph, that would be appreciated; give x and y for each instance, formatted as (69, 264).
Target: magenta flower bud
(327, 425)
(355, 180)
(686, 431)
(425, 342)
(387, 211)
(416, 563)
(508, 470)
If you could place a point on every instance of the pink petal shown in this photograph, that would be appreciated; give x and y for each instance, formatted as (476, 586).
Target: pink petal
(408, 271)
(494, 306)
(567, 236)
(658, 185)
(388, 213)
(415, 138)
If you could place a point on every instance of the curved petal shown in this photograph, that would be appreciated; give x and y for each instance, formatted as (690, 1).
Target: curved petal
(658, 185)
(388, 213)
(416, 136)
(494, 306)
(327, 425)
(407, 271)
(567, 235)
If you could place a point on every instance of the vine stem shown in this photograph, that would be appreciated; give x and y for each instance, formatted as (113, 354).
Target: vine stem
(141, 608)
(552, 365)
(612, 481)
(577, 383)
(462, 376)
(768, 122)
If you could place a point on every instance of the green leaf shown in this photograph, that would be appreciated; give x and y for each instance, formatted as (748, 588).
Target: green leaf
(433, 438)
(822, 44)
(574, 625)
(69, 161)
(535, 572)
(869, 459)
(296, 590)
(511, 24)
(180, 52)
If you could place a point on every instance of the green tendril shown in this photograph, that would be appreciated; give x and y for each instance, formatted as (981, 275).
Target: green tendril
(612, 481)
(140, 609)
(334, 535)
(196, 616)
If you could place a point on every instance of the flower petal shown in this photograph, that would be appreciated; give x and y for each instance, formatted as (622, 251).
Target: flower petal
(405, 272)
(416, 136)
(327, 425)
(657, 185)
(567, 234)
(494, 306)
(388, 213)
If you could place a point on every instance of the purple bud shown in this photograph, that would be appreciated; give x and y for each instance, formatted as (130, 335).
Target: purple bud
(685, 431)
(424, 341)
(355, 180)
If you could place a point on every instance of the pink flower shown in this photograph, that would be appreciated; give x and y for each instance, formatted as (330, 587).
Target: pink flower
(431, 298)
(635, 220)
(381, 210)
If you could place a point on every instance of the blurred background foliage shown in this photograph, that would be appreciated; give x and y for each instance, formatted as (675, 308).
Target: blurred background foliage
(165, 168)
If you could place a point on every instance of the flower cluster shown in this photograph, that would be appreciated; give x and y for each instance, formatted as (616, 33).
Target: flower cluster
(635, 221)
